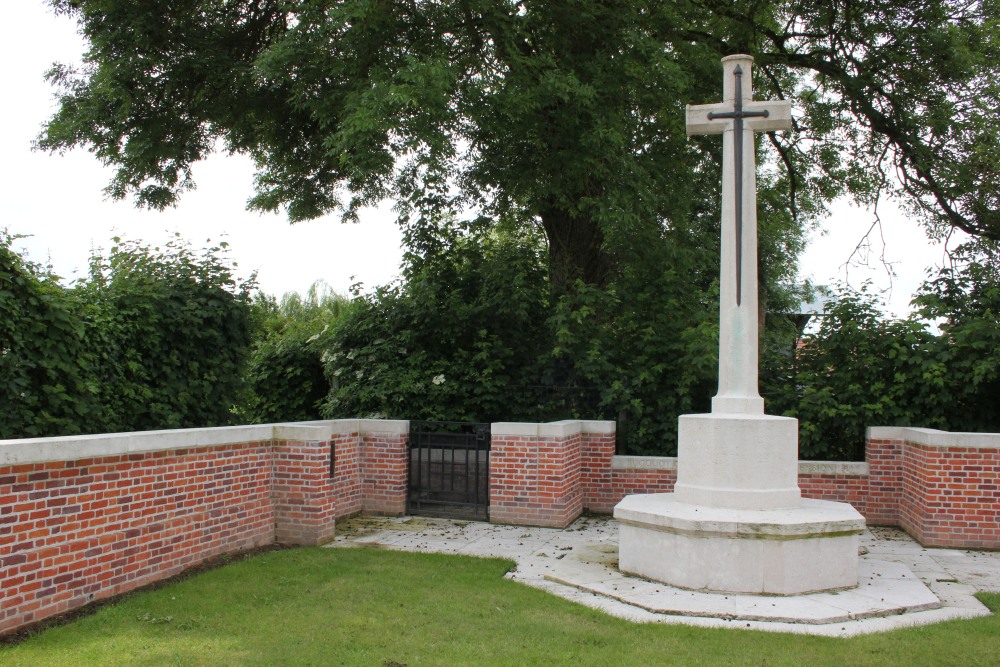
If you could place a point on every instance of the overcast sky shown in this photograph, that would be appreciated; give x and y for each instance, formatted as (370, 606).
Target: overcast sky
(58, 200)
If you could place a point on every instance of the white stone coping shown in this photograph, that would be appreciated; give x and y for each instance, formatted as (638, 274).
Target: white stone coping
(811, 518)
(930, 437)
(368, 426)
(559, 429)
(71, 448)
(805, 467)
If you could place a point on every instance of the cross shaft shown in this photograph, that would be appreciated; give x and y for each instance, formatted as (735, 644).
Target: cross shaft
(738, 302)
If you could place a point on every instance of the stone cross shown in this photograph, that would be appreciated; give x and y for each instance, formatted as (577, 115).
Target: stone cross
(738, 316)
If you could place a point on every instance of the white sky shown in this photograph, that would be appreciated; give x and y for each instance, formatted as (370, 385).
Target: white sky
(58, 200)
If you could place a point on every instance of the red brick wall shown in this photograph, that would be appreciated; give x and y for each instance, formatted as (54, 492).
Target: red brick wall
(535, 473)
(76, 531)
(597, 450)
(951, 496)
(384, 473)
(560, 488)
(643, 480)
(513, 475)
(86, 518)
(885, 480)
(838, 487)
(347, 484)
(642, 474)
(302, 492)
(942, 488)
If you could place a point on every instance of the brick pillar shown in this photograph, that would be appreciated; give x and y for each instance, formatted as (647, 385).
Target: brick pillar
(536, 473)
(347, 475)
(950, 493)
(384, 451)
(302, 491)
(598, 448)
(884, 455)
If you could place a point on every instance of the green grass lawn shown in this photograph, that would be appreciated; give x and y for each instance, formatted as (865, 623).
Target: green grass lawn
(372, 607)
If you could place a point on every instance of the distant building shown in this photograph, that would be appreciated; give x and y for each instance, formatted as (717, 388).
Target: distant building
(821, 302)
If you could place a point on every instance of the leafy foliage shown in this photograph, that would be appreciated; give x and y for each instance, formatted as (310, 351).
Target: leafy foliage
(172, 331)
(964, 300)
(155, 338)
(285, 374)
(459, 339)
(45, 361)
(859, 370)
(863, 369)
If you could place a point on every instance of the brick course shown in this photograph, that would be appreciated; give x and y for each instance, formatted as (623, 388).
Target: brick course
(952, 496)
(302, 492)
(596, 453)
(885, 480)
(384, 473)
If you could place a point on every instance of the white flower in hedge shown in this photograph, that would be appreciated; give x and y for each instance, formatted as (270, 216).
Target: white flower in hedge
(438, 379)
(315, 337)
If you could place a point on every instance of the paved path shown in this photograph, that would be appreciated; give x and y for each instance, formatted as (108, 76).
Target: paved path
(901, 583)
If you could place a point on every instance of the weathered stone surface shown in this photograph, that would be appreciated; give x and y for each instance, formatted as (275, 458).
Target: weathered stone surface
(738, 461)
(808, 548)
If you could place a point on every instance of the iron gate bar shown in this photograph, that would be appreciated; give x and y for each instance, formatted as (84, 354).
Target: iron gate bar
(449, 469)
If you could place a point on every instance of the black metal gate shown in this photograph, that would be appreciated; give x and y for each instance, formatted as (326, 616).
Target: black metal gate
(449, 470)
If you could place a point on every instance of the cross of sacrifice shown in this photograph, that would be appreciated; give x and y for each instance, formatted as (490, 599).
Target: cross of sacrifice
(738, 317)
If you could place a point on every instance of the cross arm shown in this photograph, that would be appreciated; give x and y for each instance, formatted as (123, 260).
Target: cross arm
(779, 117)
(697, 119)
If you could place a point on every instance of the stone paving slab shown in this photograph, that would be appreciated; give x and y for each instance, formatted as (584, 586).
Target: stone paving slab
(876, 596)
(901, 583)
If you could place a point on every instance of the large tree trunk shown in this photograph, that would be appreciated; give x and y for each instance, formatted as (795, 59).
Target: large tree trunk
(576, 250)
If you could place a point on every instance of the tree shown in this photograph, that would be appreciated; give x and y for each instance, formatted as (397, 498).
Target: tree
(566, 113)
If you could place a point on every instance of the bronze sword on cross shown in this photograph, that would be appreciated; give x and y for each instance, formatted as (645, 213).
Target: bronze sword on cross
(738, 114)
(738, 317)
(740, 107)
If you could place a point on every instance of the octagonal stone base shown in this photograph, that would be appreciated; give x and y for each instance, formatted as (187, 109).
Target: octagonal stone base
(809, 548)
